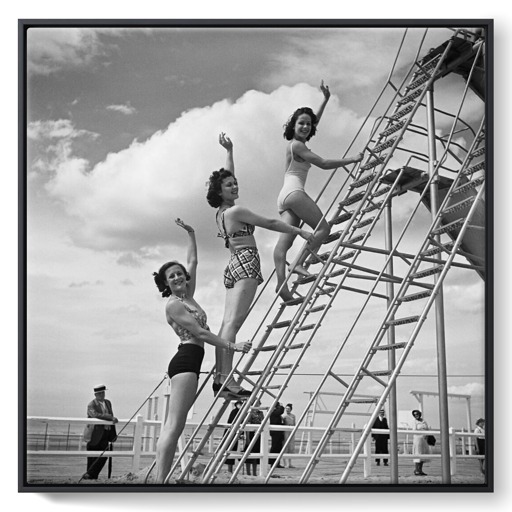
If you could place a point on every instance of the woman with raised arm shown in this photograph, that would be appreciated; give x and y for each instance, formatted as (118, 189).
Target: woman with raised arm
(242, 275)
(293, 204)
(188, 320)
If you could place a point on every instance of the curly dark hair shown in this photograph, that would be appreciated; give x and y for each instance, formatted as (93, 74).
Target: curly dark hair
(161, 281)
(289, 127)
(214, 186)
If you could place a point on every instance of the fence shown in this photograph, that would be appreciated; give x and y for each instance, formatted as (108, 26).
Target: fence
(141, 443)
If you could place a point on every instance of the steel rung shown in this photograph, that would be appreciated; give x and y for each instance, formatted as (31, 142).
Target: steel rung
(402, 113)
(449, 227)
(294, 302)
(342, 218)
(392, 129)
(384, 145)
(403, 321)
(410, 97)
(325, 291)
(436, 250)
(316, 309)
(361, 400)
(352, 199)
(306, 327)
(332, 237)
(469, 185)
(459, 206)
(362, 181)
(373, 163)
(280, 325)
(344, 257)
(372, 207)
(391, 346)
(364, 223)
(474, 168)
(383, 190)
(428, 272)
(337, 273)
(306, 280)
(415, 296)
(477, 153)
(356, 239)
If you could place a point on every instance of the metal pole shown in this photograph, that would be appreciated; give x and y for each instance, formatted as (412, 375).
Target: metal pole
(392, 414)
(439, 301)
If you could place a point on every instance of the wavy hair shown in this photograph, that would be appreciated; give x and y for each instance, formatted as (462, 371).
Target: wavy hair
(289, 127)
(161, 280)
(215, 186)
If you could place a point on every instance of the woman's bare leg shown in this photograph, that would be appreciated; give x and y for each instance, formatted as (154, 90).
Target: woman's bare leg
(183, 393)
(238, 301)
(281, 249)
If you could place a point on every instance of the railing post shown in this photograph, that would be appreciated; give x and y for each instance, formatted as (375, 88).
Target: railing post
(264, 450)
(137, 442)
(453, 452)
(367, 454)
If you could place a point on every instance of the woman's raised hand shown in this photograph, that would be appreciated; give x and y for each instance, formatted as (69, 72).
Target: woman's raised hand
(243, 346)
(358, 158)
(225, 142)
(325, 90)
(186, 227)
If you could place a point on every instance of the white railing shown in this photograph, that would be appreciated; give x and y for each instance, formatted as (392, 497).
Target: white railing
(142, 448)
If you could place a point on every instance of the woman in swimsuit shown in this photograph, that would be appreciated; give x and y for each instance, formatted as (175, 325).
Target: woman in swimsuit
(243, 273)
(293, 204)
(188, 320)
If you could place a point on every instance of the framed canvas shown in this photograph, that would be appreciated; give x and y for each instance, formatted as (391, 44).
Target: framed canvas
(257, 255)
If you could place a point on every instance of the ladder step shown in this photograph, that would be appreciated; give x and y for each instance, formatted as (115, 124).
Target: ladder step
(384, 145)
(428, 272)
(416, 296)
(478, 152)
(342, 217)
(339, 272)
(361, 400)
(418, 82)
(391, 346)
(332, 237)
(280, 325)
(362, 181)
(356, 239)
(410, 97)
(352, 199)
(274, 386)
(306, 327)
(373, 163)
(325, 291)
(296, 346)
(436, 250)
(316, 309)
(469, 185)
(381, 191)
(268, 348)
(403, 321)
(449, 227)
(306, 280)
(372, 207)
(343, 257)
(364, 223)
(379, 373)
(294, 302)
(474, 168)
(459, 206)
(283, 366)
(392, 129)
(402, 113)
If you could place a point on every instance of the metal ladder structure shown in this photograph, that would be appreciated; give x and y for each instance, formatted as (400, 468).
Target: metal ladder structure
(281, 344)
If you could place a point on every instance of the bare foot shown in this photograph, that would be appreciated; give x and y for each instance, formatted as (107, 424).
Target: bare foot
(285, 293)
(301, 271)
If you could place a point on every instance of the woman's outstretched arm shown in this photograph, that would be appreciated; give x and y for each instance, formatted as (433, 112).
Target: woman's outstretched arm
(227, 144)
(242, 214)
(327, 95)
(191, 256)
(177, 312)
(299, 148)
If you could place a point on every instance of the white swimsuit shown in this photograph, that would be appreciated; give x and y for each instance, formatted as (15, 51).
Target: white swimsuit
(294, 179)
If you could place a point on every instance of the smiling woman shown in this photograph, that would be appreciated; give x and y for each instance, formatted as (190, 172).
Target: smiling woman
(188, 320)
(242, 275)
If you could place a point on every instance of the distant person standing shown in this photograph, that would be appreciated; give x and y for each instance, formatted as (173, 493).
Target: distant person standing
(419, 443)
(289, 419)
(381, 440)
(276, 436)
(480, 441)
(98, 437)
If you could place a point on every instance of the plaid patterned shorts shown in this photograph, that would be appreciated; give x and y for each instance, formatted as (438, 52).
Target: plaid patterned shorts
(243, 264)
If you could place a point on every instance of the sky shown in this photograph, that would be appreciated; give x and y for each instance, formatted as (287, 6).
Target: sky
(122, 128)
(58, 9)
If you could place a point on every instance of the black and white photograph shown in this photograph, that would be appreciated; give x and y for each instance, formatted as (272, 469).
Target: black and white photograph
(257, 255)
